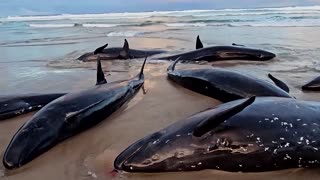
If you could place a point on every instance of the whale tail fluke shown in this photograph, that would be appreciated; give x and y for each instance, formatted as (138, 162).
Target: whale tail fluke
(173, 65)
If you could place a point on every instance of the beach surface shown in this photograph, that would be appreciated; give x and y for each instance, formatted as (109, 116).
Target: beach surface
(38, 56)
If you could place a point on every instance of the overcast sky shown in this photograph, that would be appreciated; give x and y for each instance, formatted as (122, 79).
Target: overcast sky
(32, 7)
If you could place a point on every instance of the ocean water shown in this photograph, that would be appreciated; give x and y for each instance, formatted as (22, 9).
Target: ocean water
(38, 55)
(29, 43)
(67, 33)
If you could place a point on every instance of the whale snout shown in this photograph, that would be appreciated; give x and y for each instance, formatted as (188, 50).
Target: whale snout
(15, 154)
(267, 55)
(27, 143)
(127, 158)
(313, 85)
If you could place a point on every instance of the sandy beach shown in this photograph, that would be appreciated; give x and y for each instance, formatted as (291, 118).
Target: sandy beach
(43, 61)
(90, 154)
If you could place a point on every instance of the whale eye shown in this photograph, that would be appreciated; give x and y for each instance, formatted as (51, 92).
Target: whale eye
(260, 56)
(224, 142)
(147, 162)
(155, 157)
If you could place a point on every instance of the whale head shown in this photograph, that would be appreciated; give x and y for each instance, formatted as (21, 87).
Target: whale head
(263, 55)
(246, 53)
(202, 141)
(30, 141)
(167, 151)
(312, 85)
(174, 148)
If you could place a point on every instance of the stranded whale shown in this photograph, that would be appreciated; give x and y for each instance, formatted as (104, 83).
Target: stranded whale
(12, 106)
(248, 135)
(68, 116)
(220, 53)
(226, 85)
(117, 53)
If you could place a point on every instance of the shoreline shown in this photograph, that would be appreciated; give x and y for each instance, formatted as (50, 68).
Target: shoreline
(164, 11)
(34, 64)
(90, 154)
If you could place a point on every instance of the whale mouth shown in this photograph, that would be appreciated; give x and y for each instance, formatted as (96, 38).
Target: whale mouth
(13, 164)
(120, 163)
(311, 87)
(9, 165)
(267, 56)
(27, 144)
(15, 158)
(249, 55)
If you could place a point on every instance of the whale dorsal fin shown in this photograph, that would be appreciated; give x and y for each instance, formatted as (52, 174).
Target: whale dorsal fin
(279, 83)
(100, 75)
(199, 44)
(124, 53)
(212, 122)
(100, 49)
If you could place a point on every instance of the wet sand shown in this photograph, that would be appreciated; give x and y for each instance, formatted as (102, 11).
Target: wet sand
(90, 154)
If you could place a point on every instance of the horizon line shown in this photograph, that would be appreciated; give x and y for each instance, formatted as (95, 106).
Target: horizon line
(116, 12)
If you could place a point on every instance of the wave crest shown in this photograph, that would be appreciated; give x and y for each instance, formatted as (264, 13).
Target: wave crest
(200, 24)
(125, 33)
(51, 25)
(195, 13)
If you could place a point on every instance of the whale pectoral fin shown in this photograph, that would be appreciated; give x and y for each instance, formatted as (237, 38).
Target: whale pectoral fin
(100, 75)
(70, 117)
(208, 124)
(279, 83)
(124, 53)
(199, 44)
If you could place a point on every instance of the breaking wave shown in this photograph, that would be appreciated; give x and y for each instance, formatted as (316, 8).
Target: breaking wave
(125, 33)
(200, 24)
(194, 13)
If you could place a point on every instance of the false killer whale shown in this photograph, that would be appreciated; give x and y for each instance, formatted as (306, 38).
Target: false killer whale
(12, 106)
(117, 53)
(220, 53)
(226, 85)
(68, 116)
(247, 135)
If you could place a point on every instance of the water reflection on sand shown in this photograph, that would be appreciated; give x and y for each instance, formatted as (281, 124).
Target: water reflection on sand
(90, 154)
